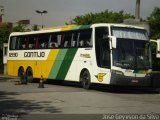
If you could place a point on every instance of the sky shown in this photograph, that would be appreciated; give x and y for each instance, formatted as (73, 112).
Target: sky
(62, 11)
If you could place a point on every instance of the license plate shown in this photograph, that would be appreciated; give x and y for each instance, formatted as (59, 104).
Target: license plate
(134, 81)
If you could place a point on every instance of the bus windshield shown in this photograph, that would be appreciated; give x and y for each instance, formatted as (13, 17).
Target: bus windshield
(131, 54)
(132, 50)
(130, 33)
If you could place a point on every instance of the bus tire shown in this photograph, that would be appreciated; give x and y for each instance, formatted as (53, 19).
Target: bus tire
(85, 79)
(29, 75)
(21, 73)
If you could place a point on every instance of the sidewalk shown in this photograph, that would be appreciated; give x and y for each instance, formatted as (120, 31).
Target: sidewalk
(4, 78)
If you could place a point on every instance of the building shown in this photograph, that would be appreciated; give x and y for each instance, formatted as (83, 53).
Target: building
(5, 52)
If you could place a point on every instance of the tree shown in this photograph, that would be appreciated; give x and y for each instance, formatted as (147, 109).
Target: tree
(21, 28)
(102, 17)
(154, 22)
(4, 34)
(5, 31)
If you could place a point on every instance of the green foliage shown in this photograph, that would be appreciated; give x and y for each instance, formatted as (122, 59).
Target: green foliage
(154, 22)
(20, 28)
(4, 33)
(102, 17)
(155, 60)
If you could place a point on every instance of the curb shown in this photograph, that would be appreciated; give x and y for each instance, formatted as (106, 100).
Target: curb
(5, 78)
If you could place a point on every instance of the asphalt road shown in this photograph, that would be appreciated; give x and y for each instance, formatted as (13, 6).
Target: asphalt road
(70, 101)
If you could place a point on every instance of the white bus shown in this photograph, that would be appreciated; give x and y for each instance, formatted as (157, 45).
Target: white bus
(101, 53)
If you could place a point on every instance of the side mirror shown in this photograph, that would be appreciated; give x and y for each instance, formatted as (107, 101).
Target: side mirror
(158, 47)
(158, 44)
(114, 41)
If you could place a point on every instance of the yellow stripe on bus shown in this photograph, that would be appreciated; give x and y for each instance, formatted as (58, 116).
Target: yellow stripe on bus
(50, 62)
(53, 54)
(39, 67)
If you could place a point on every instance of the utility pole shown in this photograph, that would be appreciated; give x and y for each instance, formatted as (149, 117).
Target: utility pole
(137, 21)
(137, 10)
(41, 13)
(1, 13)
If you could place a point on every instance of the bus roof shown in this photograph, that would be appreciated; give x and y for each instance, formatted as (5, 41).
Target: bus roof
(116, 25)
(72, 27)
(53, 29)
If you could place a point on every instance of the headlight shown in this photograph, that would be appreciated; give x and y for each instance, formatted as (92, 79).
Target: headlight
(148, 73)
(117, 72)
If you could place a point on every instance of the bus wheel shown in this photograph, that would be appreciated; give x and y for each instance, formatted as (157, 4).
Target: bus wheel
(21, 73)
(29, 75)
(85, 79)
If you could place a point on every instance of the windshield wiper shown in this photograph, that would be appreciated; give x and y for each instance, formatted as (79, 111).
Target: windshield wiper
(141, 62)
(123, 64)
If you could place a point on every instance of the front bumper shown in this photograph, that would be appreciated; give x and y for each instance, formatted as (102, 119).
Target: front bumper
(117, 79)
(155, 79)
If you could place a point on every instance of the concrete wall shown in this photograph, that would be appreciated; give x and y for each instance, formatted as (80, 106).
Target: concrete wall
(5, 52)
(137, 22)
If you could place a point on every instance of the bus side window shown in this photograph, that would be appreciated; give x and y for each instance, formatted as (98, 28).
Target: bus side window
(101, 33)
(59, 39)
(13, 43)
(26, 39)
(21, 43)
(29, 42)
(66, 44)
(67, 39)
(53, 45)
(36, 42)
(74, 39)
(52, 41)
(62, 40)
(18, 43)
(81, 43)
(23, 46)
(85, 38)
(102, 47)
(32, 41)
(43, 41)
